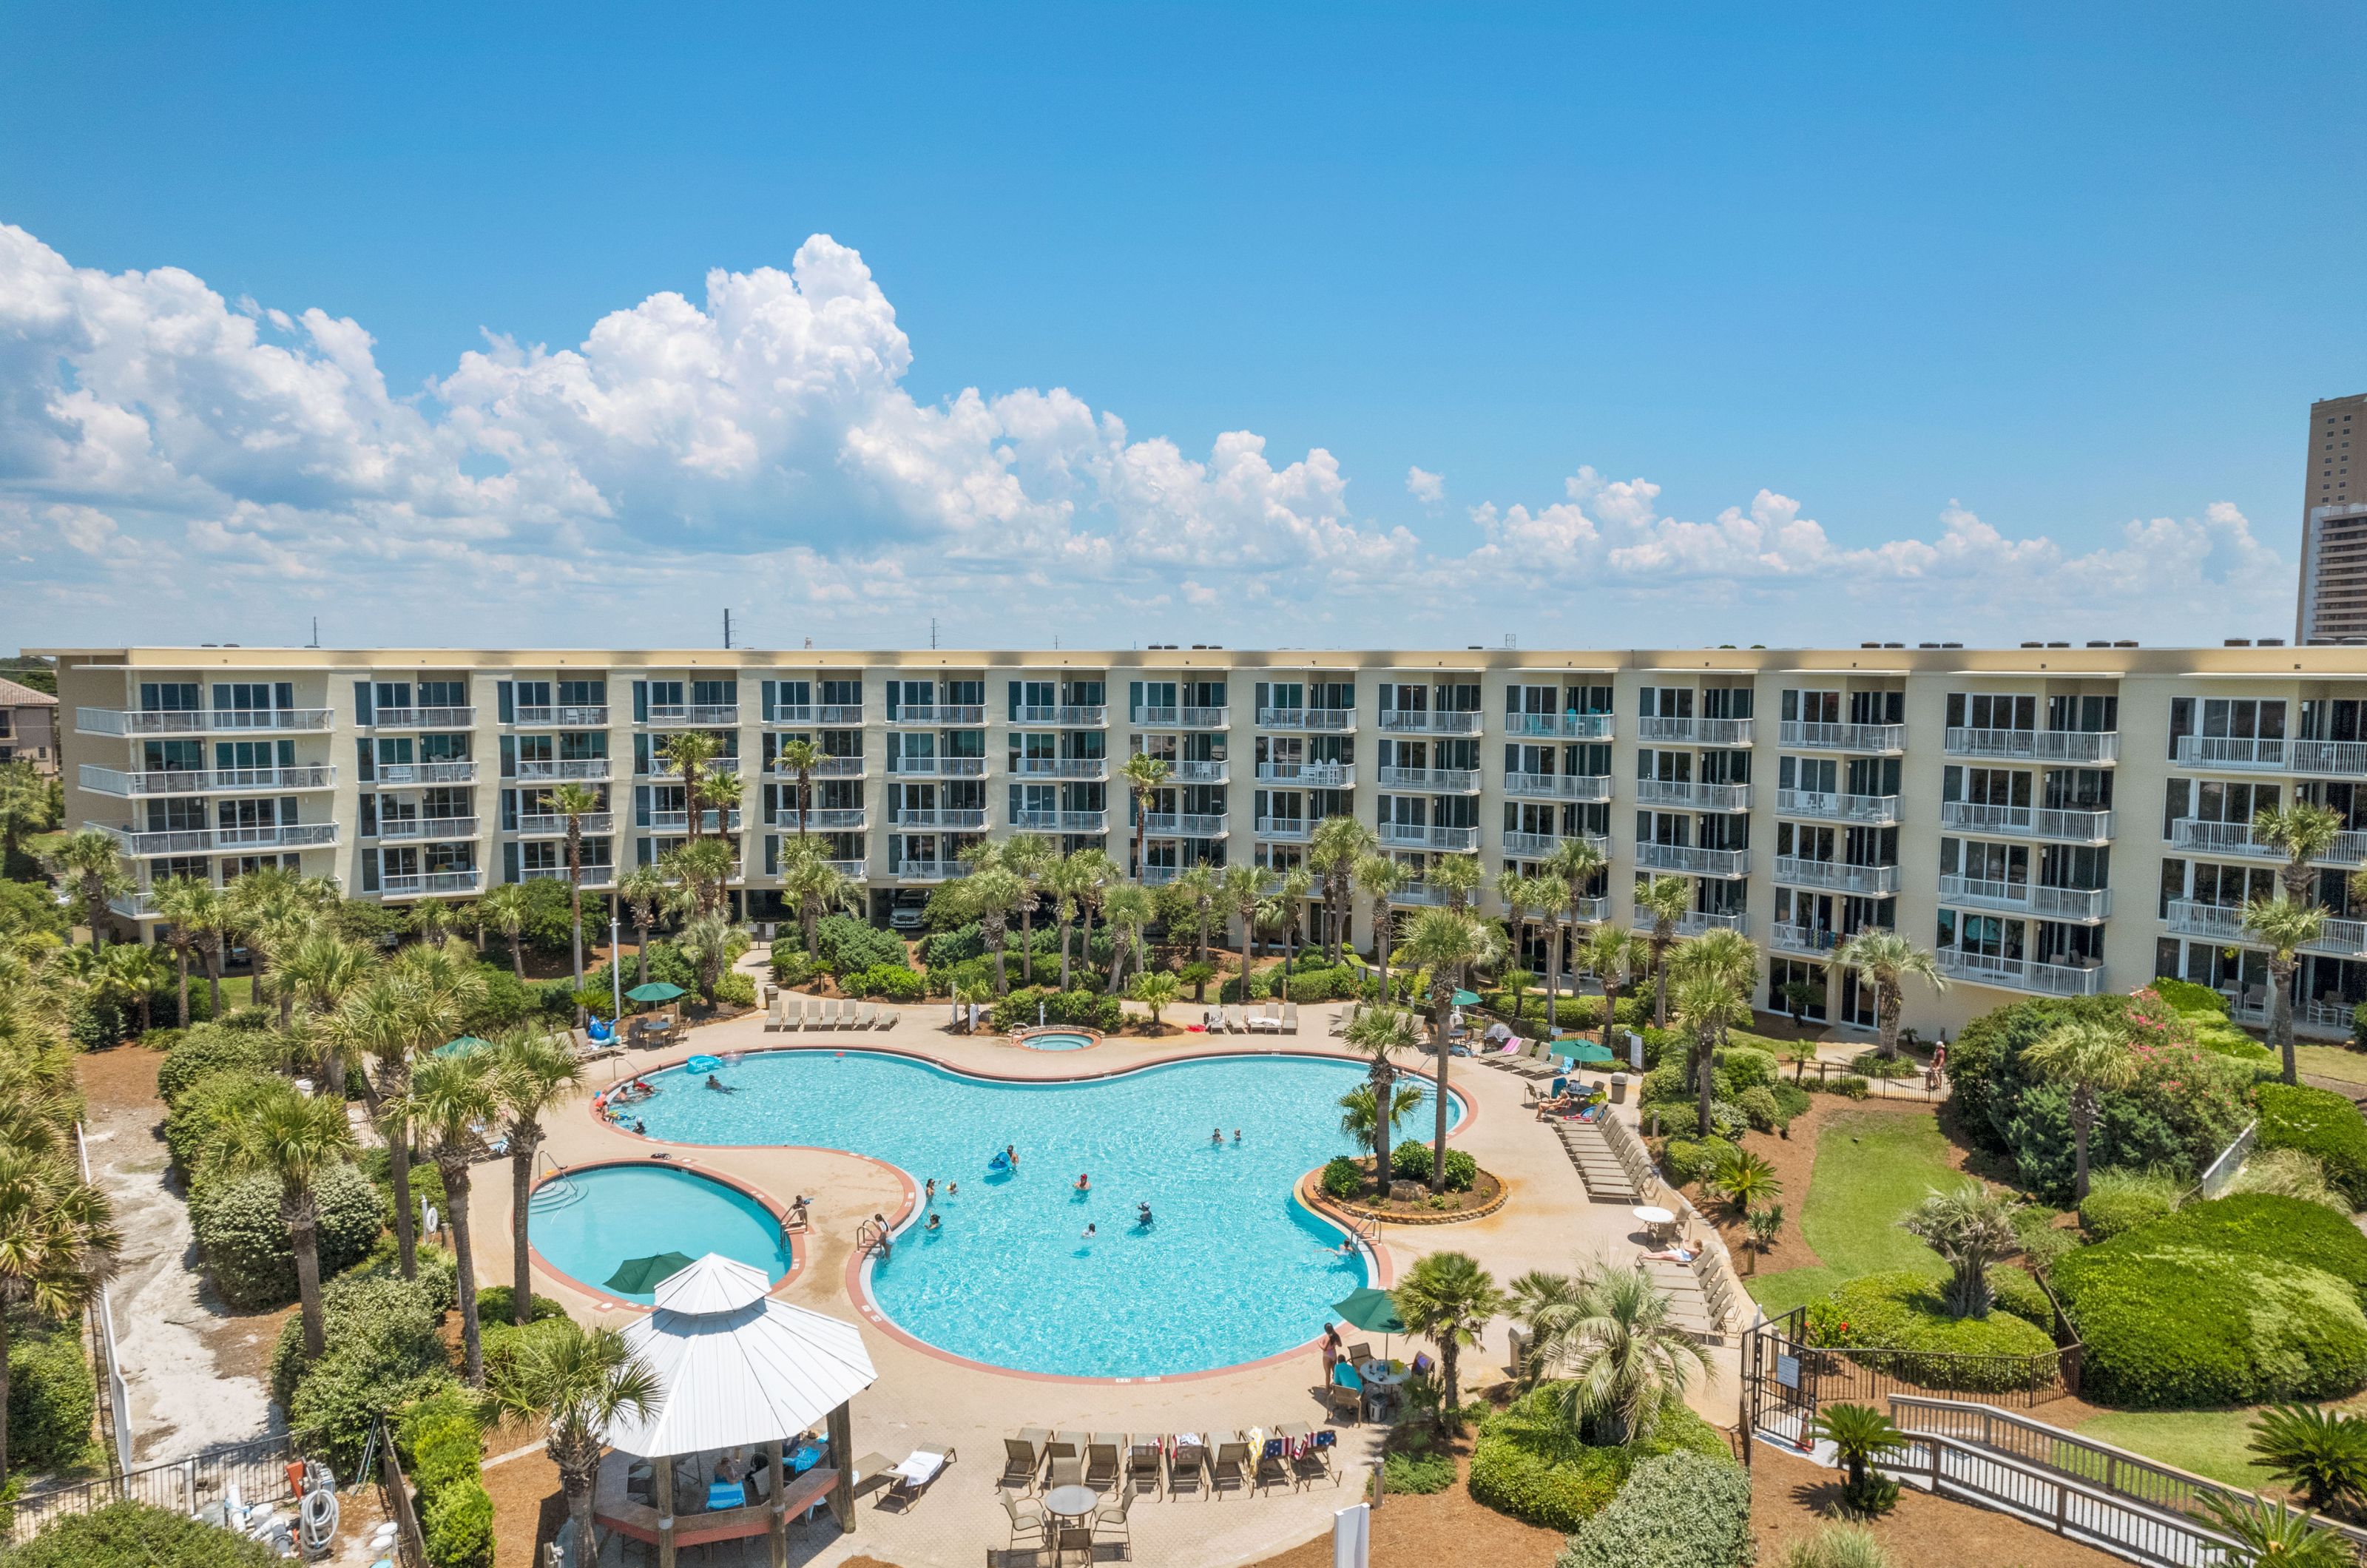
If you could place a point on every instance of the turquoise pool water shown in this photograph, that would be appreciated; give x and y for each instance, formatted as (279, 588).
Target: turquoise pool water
(1231, 1269)
(1057, 1042)
(586, 1223)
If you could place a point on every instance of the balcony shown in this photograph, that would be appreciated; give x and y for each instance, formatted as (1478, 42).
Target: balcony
(1433, 781)
(1879, 810)
(197, 721)
(1060, 822)
(1092, 768)
(1588, 910)
(1837, 876)
(1184, 825)
(594, 717)
(426, 773)
(1321, 721)
(565, 768)
(2022, 973)
(204, 840)
(1081, 718)
(937, 713)
(418, 884)
(1284, 829)
(205, 781)
(1561, 726)
(679, 822)
(1817, 941)
(2028, 822)
(1426, 721)
(2082, 905)
(2230, 753)
(937, 767)
(394, 829)
(2224, 924)
(553, 825)
(827, 768)
(1200, 772)
(1415, 836)
(596, 877)
(2328, 1020)
(1538, 846)
(422, 719)
(139, 906)
(692, 716)
(1182, 717)
(2034, 745)
(1309, 775)
(1876, 739)
(1696, 923)
(824, 818)
(928, 870)
(2344, 758)
(1694, 731)
(1692, 796)
(1559, 786)
(835, 715)
(1692, 861)
(962, 819)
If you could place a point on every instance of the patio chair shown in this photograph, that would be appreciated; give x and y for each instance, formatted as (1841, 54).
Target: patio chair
(1347, 1387)
(1230, 1467)
(1212, 1019)
(1290, 1018)
(1272, 1464)
(1187, 1465)
(1022, 1456)
(1111, 1516)
(909, 1480)
(1236, 1021)
(1102, 1464)
(1269, 1020)
(1145, 1461)
(773, 1014)
(1314, 1459)
(888, 1019)
(1027, 1519)
(1360, 1352)
(867, 1015)
(1065, 1445)
(1063, 1470)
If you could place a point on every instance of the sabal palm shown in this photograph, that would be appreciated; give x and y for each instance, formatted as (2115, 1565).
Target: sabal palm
(711, 942)
(2092, 1060)
(1575, 864)
(91, 865)
(797, 758)
(136, 971)
(1520, 896)
(450, 1096)
(1456, 878)
(504, 908)
(1450, 943)
(575, 802)
(58, 1240)
(1664, 900)
(1617, 957)
(296, 1139)
(574, 1383)
(1708, 1001)
(687, 752)
(1448, 1299)
(25, 807)
(1970, 1226)
(1145, 777)
(1379, 1033)
(705, 868)
(2284, 927)
(1195, 892)
(1886, 958)
(322, 970)
(418, 1003)
(532, 1072)
(1155, 988)
(179, 902)
(1332, 850)
(989, 896)
(719, 794)
(2304, 831)
(1611, 1332)
(201, 915)
(1284, 906)
(642, 891)
(1129, 908)
(1028, 857)
(1070, 880)
(1360, 1122)
(816, 887)
(1383, 877)
(1243, 892)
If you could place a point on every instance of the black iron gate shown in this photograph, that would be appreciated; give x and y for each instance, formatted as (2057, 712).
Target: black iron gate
(1778, 1377)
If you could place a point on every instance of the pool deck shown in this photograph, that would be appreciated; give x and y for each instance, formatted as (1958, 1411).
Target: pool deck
(926, 1399)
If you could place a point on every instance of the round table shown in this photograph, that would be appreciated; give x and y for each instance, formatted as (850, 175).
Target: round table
(1379, 1374)
(1070, 1504)
(1656, 1220)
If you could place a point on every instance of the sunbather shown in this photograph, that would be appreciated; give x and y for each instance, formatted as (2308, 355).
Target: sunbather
(1675, 1253)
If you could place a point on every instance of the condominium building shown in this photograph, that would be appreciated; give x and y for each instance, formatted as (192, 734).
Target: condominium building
(2051, 820)
(2333, 524)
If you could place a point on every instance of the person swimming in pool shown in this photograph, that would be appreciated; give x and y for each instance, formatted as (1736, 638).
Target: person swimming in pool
(1142, 1215)
(1216, 1135)
(929, 1193)
(639, 1127)
(1010, 1154)
(718, 1086)
(935, 1220)
(1085, 1182)
(1237, 1134)
(1090, 1229)
(953, 1189)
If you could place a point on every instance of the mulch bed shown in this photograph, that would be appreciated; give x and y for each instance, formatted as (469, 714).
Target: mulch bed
(1483, 1192)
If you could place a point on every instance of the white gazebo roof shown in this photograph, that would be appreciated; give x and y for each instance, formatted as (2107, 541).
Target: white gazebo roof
(733, 1368)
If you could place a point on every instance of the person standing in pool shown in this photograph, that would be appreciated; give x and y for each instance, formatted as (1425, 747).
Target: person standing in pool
(1237, 1136)
(1085, 1182)
(933, 1220)
(1143, 1217)
(929, 1191)
(1011, 1153)
(1089, 1232)
(1217, 1136)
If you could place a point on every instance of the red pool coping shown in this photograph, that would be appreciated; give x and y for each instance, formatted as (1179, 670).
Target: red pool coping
(799, 1257)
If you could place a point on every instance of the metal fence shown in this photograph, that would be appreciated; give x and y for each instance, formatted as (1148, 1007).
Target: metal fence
(2221, 1175)
(2054, 1501)
(258, 1468)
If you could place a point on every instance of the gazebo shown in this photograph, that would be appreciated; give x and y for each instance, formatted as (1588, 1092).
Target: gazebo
(736, 1371)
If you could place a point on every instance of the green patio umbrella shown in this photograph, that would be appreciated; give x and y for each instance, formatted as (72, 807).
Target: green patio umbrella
(1466, 999)
(655, 991)
(1373, 1311)
(460, 1047)
(1587, 1053)
(639, 1275)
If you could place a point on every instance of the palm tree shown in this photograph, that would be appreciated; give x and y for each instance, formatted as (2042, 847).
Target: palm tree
(1611, 1330)
(1886, 958)
(91, 862)
(687, 752)
(1129, 908)
(721, 793)
(1574, 865)
(2091, 1061)
(58, 1240)
(798, 757)
(2304, 832)
(531, 1073)
(1068, 880)
(1097, 874)
(711, 942)
(203, 911)
(988, 894)
(1667, 900)
(272, 907)
(1380, 1032)
(177, 900)
(1243, 894)
(1383, 877)
(1448, 1299)
(816, 887)
(2286, 926)
(574, 1383)
(504, 908)
(1360, 1120)
(450, 1096)
(25, 807)
(2320, 1453)
(1707, 1001)
(642, 890)
(1742, 1179)
(705, 868)
(1456, 877)
(1145, 775)
(1029, 857)
(136, 970)
(1970, 1226)
(1450, 943)
(1195, 894)
(1281, 906)
(416, 1003)
(467, 917)
(298, 1139)
(1333, 850)
(1615, 957)
(575, 802)
(1520, 894)
(323, 968)
(1858, 1432)
(1155, 988)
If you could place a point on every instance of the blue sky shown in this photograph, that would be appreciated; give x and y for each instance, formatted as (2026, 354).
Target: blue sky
(2062, 272)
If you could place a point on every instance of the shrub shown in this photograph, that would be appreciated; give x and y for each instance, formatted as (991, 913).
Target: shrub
(52, 1396)
(846, 945)
(1675, 1510)
(733, 990)
(196, 1118)
(374, 1300)
(1759, 1105)
(507, 1002)
(1899, 1310)
(1791, 1102)
(1342, 1176)
(1410, 1162)
(2185, 996)
(236, 1220)
(457, 1526)
(1525, 1463)
(2322, 1124)
(2288, 1173)
(211, 1048)
(2015, 1291)
(1838, 1546)
(134, 1535)
(1420, 1474)
(2231, 1301)
(1689, 1160)
(891, 981)
(253, 1018)
(947, 949)
(93, 1023)
(1874, 1065)
(1849, 1086)
(1740, 1068)
(493, 1304)
(384, 1354)
(2120, 1200)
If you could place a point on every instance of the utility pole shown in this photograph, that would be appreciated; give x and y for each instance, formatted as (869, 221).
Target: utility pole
(726, 631)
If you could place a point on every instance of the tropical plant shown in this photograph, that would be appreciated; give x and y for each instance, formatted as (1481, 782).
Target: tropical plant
(703, 868)
(817, 887)
(323, 969)
(1859, 1433)
(1383, 877)
(1611, 1331)
(295, 1138)
(1241, 890)
(272, 907)
(1886, 958)
(1360, 1119)
(504, 908)
(687, 752)
(1030, 857)
(1760, 1228)
(197, 920)
(1145, 777)
(1071, 881)
(58, 1241)
(2320, 1453)
(1616, 958)
(1666, 900)
(1155, 988)
(1129, 906)
(798, 757)
(643, 891)
(448, 1098)
(28, 806)
(1520, 896)
(574, 1383)
(1450, 943)
(1516, 982)
(532, 1072)
(1379, 1032)
(1743, 1178)
(1457, 879)
(2284, 926)
(1448, 1299)
(1284, 899)
(1573, 867)
(990, 895)
(92, 864)
(1333, 850)
(711, 942)
(1193, 897)
(574, 802)
(2302, 831)
(1970, 1226)
(1708, 999)
(2272, 1535)
(2091, 1059)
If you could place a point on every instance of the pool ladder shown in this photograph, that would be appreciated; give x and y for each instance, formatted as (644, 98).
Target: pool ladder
(557, 1193)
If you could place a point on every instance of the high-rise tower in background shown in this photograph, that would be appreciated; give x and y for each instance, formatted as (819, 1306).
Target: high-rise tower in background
(2334, 526)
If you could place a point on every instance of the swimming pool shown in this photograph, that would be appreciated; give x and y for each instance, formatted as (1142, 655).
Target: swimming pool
(1056, 1040)
(1231, 1269)
(585, 1222)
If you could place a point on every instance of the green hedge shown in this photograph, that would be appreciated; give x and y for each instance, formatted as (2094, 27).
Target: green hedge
(733, 990)
(133, 1535)
(238, 1228)
(892, 981)
(845, 944)
(792, 967)
(1899, 1310)
(2120, 1200)
(2233, 1301)
(493, 1303)
(208, 1048)
(52, 1396)
(1676, 1510)
(1687, 1161)
(1075, 1007)
(445, 1448)
(1410, 1162)
(385, 1353)
(1521, 1464)
(458, 1526)
(2322, 1124)
(2017, 1292)
(1570, 1012)
(1342, 1176)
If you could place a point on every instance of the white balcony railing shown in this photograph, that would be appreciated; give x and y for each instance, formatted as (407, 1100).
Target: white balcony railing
(139, 905)
(1204, 718)
(1693, 859)
(593, 716)
(1200, 771)
(564, 768)
(1435, 781)
(2081, 904)
(1692, 796)
(2225, 923)
(1284, 829)
(938, 713)
(1827, 806)
(833, 716)
(1414, 835)
(1589, 910)
(595, 877)
(1561, 726)
(1183, 825)
(1695, 731)
(1818, 940)
(416, 828)
(824, 819)
(2022, 973)
(1326, 721)
(1066, 717)
(553, 825)
(425, 773)
(1429, 721)
(2034, 745)
(1873, 880)
(2346, 758)
(1538, 846)
(679, 822)
(1060, 822)
(416, 883)
(827, 768)
(1881, 738)
(928, 870)
(2230, 753)
(1559, 786)
(968, 818)
(196, 721)
(1309, 775)
(203, 840)
(2028, 822)
(1060, 768)
(2327, 1019)
(937, 767)
(205, 781)
(423, 718)
(1695, 922)
(697, 716)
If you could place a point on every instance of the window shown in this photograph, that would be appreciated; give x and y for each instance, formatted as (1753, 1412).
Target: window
(168, 696)
(1981, 710)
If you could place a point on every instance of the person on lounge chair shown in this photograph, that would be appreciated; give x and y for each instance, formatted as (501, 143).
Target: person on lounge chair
(1676, 1252)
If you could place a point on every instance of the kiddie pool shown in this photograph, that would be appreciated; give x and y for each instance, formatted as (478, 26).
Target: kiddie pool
(585, 1223)
(1057, 1039)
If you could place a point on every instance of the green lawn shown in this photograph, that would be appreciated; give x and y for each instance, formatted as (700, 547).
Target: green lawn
(1872, 1167)
(2332, 1062)
(2208, 1442)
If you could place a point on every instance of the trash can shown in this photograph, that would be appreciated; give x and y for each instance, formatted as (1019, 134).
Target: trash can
(1619, 1089)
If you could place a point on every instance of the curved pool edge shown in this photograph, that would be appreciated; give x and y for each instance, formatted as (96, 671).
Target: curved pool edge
(799, 1242)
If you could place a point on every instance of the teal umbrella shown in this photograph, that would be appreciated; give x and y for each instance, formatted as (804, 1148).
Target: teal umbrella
(655, 991)
(1466, 999)
(1373, 1311)
(460, 1047)
(639, 1275)
(1589, 1053)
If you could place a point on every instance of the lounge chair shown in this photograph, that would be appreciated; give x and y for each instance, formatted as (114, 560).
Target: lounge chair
(1065, 1445)
(888, 1019)
(1272, 1464)
(1145, 1461)
(1290, 1018)
(1269, 1020)
(773, 1014)
(1187, 1465)
(1230, 1467)
(1102, 1463)
(1212, 1019)
(1315, 1458)
(909, 1480)
(867, 1015)
(1029, 1518)
(872, 1472)
(1236, 1023)
(1022, 1456)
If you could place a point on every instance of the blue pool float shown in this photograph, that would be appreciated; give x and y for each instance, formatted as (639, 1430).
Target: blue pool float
(1000, 1162)
(704, 1065)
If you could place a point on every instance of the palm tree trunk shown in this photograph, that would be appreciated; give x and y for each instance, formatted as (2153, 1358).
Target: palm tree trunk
(1553, 976)
(577, 1481)
(575, 897)
(1442, 1002)
(1659, 980)
(641, 949)
(181, 957)
(517, 955)
(1000, 988)
(1385, 1094)
(1888, 999)
(1027, 943)
(398, 1164)
(213, 979)
(522, 1152)
(1064, 952)
(805, 791)
(1446, 1362)
(472, 1339)
(3, 1392)
(1705, 1071)
(2281, 1027)
(304, 1237)
(1609, 1011)
(93, 898)
(2081, 1119)
(1381, 944)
